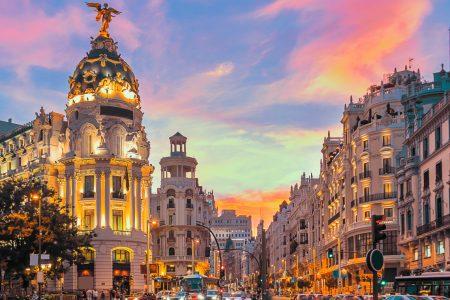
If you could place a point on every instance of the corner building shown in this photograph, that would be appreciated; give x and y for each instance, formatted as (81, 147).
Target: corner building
(179, 204)
(97, 161)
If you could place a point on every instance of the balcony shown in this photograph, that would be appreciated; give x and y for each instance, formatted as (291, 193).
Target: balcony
(445, 220)
(88, 194)
(304, 242)
(189, 205)
(118, 195)
(386, 170)
(334, 218)
(122, 232)
(171, 205)
(376, 197)
(162, 223)
(171, 239)
(364, 175)
(303, 226)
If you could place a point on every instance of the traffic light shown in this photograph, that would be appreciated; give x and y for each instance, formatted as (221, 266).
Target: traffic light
(383, 282)
(330, 253)
(377, 229)
(207, 252)
(222, 272)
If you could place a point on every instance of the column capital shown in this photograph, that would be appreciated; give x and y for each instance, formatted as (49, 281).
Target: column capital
(107, 172)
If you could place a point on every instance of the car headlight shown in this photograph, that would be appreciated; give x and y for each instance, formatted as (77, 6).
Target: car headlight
(200, 297)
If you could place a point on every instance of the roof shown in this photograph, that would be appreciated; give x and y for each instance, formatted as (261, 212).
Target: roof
(7, 127)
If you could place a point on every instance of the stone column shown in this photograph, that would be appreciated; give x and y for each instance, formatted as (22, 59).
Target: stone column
(98, 197)
(74, 194)
(107, 196)
(67, 199)
(139, 202)
(135, 266)
(133, 203)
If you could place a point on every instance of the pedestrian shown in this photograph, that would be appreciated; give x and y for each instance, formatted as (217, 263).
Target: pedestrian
(89, 294)
(95, 295)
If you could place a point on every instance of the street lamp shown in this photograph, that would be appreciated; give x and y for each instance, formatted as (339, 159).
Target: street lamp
(36, 197)
(150, 223)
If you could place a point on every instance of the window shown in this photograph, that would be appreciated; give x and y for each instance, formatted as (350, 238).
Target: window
(189, 234)
(170, 268)
(408, 187)
(412, 151)
(171, 235)
(425, 148)
(426, 180)
(386, 166)
(366, 145)
(388, 212)
(76, 115)
(117, 184)
(402, 224)
(409, 220)
(439, 171)
(426, 213)
(171, 251)
(88, 219)
(366, 169)
(117, 220)
(386, 140)
(188, 220)
(170, 219)
(367, 215)
(416, 254)
(440, 248)
(189, 251)
(437, 138)
(401, 191)
(88, 186)
(427, 251)
(366, 194)
(389, 245)
(387, 190)
(121, 256)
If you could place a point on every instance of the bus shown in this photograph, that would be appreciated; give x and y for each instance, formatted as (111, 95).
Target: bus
(429, 283)
(193, 284)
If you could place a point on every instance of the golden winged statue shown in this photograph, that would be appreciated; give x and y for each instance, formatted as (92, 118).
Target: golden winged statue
(105, 14)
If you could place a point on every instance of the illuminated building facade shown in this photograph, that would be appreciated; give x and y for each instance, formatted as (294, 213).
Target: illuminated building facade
(424, 178)
(96, 158)
(179, 204)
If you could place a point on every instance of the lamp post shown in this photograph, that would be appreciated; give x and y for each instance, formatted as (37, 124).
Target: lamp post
(147, 257)
(36, 196)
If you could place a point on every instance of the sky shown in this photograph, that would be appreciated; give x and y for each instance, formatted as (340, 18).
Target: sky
(254, 84)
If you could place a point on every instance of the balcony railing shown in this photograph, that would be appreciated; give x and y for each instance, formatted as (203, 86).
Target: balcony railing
(189, 205)
(171, 205)
(334, 218)
(365, 174)
(171, 240)
(386, 170)
(118, 195)
(88, 194)
(376, 197)
(162, 223)
(303, 242)
(122, 232)
(445, 220)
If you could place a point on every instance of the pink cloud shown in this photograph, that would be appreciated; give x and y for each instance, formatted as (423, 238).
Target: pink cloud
(348, 47)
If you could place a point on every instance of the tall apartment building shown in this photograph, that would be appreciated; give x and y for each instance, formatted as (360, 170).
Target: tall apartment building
(95, 156)
(424, 177)
(179, 204)
(233, 231)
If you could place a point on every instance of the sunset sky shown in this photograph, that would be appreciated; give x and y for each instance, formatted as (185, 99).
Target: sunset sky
(253, 84)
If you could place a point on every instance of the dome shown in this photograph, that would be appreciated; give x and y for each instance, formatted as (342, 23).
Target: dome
(103, 73)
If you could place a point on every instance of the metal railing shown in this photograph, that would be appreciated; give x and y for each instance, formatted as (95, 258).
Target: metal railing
(334, 218)
(376, 197)
(439, 222)
(122, 232)
(118, 195)
(365, 174)
(386, 170)
(88, 194)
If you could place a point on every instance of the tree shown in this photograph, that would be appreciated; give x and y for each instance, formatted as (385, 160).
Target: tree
(19, 230)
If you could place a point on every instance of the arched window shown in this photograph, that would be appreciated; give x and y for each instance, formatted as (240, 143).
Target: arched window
(189, 193)
(171, 251)
(171, 203)
(189, 251)
(121, 256)
(88, 255)
(87, 142)
(76, 115)
(170, 193)
(189, 234)
(438, 209)
(41, 135)
(409, 220)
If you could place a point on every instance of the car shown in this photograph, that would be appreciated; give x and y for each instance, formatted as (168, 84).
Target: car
(227, 296)
(163, 295)
(212, 295)
(400, 297)
(147, 296)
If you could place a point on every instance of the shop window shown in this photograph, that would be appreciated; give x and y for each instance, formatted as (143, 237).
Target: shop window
(440, 248)
(121, 256)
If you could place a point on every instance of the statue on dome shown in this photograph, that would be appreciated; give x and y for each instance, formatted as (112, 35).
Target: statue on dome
(105, 14)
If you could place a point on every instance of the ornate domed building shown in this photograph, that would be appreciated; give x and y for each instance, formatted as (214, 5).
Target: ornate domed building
(97, 161)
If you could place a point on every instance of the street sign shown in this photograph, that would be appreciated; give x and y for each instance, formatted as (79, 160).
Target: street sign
(45, 259)
(374, 260)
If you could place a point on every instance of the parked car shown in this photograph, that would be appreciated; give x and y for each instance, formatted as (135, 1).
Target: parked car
(212, 295)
